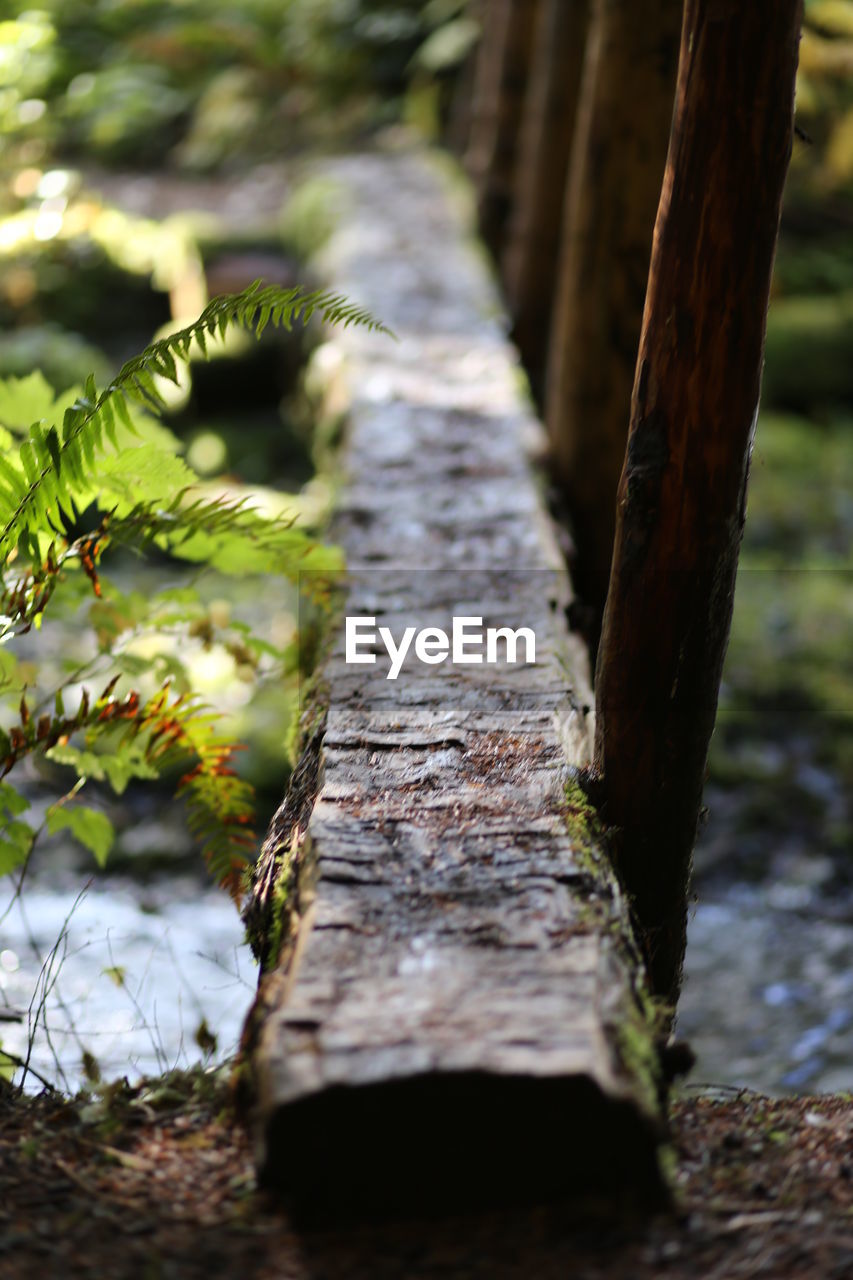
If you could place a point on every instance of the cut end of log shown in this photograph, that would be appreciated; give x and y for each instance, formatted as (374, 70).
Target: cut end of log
(443, 1141)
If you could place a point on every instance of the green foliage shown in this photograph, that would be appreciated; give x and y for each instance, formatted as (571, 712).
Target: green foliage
(785, 717)
(453, 34)
(86, 473)
(824, 100)
(123, 110)
(204, 80)
(73, 268)
(807, 354)
(59, 355)
(60, 469)
(308, 218)
(27, 63)
(92, 828)
(17, 837)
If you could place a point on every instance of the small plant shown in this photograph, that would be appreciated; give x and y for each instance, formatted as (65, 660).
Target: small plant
(89, 473)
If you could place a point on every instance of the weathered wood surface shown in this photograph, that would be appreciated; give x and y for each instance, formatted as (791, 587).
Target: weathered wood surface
(503, 67)
(614, 182)
(545, 138)
(449, 1009)
(682, 494)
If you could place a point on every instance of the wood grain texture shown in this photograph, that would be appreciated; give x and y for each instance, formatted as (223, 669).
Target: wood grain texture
(503, 69)
(454, 995)
(532, 244)
(615, 173)
(682, 495)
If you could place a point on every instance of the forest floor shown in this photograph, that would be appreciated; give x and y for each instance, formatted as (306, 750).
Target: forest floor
(157, 1181)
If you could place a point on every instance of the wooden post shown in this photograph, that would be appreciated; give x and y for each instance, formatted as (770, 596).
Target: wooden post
(456, 133)
(683, 488)
(615, 175)
(533, 237)
(501, 80)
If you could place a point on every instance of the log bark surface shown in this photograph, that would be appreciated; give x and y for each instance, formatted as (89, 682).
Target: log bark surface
(458, 992)
(682, 495)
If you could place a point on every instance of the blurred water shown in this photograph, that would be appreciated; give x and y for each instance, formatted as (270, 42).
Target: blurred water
(131, 973)
(767, 1002)
(768, 993)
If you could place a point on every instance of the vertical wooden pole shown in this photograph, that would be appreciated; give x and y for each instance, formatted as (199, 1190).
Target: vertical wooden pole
(501, 80)
(456, 134)
(615, 175)
(545, 137)
(682, 493)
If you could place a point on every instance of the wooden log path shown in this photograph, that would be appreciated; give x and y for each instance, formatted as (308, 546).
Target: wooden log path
(455, 1012)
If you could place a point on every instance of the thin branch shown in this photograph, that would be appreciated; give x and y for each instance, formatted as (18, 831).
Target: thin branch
(28, 1069)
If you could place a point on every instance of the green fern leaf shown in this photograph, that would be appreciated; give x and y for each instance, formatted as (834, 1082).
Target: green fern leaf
(86, 419)
(92, 828)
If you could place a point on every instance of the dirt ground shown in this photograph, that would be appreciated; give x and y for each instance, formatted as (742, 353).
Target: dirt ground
(157, 1181)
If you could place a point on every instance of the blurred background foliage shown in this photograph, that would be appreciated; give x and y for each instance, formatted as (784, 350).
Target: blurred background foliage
(210, 91)
(781, 781)
(201, 83)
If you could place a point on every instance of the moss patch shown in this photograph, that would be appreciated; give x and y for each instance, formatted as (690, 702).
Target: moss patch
(586, 831)
(641, 1024)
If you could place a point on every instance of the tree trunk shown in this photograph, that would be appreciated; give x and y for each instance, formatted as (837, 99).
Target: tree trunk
(450, 996)
(614, 185)
(683, 488)
(545, 139)
(501, 79)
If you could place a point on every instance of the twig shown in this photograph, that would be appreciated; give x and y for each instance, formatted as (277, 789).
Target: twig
(133, 997)
(39, 831)
(219, 963)
(28, 1070)
(47, 982)
(72, 1174)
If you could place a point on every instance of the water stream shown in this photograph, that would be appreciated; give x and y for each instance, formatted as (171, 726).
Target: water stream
(143, 978)
(136, 971)
(768, 995)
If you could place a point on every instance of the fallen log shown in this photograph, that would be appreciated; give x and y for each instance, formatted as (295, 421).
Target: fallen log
(451, 1007)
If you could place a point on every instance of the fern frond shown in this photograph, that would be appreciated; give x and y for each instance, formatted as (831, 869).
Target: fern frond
(153, 735)
(56, 463)
(149, 496)
(228, 536)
